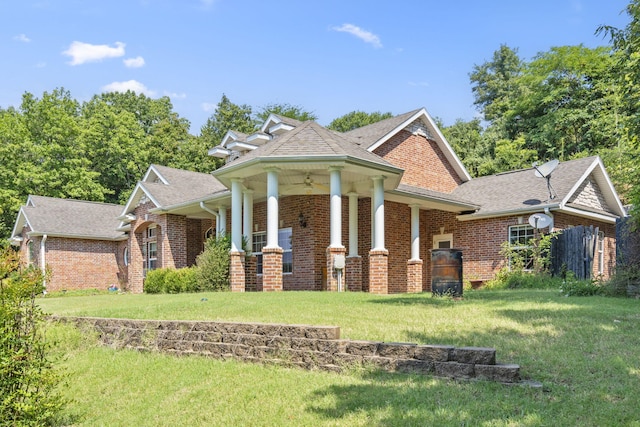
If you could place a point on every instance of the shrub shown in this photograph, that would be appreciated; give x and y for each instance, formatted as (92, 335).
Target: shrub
(29, 393)
(171, 281)
(573, 287)
(625, 282)
(154, 283)
(212, 273)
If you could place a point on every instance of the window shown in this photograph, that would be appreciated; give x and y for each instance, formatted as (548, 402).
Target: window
(209, 233)
(152, 255)
(601, 252)
(125, 256)
(520, 237)
(284, 241)
(31, 252)
(150, 250)
(443, 241)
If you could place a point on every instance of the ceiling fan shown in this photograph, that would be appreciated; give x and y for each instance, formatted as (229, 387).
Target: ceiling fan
(309, 185)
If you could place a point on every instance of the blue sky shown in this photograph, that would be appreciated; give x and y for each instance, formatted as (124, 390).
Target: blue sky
(330, 57)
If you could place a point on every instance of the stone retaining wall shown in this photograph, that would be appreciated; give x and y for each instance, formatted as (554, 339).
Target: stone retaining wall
(308, 347)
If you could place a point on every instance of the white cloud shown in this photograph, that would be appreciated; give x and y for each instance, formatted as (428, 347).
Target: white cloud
(131, 85)
(174, 95)
(208, 107)
(85, 52)
(364, 35)
(136, 62)
(22, 38)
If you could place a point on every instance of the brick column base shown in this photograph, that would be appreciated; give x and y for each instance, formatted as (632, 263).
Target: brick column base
(332, 275)
(271, 269)
(379, 271)
(250, 273)
(236, 271)
(414, 275)
(354, 273)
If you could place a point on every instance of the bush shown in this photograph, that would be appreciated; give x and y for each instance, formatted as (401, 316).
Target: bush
(154, 283)
(573, 287)
(29, 393)
(519, 279)
(212, 273)
(625, 282)
(171, 281)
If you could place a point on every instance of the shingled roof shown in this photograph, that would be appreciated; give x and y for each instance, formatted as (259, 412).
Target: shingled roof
(522, 190)
(69, 218)
(169, 186)
(305, 141)
(370, 134)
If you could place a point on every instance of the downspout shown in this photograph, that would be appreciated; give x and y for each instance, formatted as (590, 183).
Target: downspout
(214, 213)
(43, 261)
(547, 211)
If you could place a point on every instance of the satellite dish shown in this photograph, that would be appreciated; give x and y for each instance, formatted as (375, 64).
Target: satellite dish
(544, 170)
(540, 220)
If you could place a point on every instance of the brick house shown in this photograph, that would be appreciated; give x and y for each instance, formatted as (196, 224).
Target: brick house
(373, 201)
(77, 240)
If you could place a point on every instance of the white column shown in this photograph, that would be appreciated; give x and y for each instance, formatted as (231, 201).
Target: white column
(236, 215)
(247, 218)
(272, 208)
(415, 232)
(353, 224)
(221, 225)
(335, 240)
(378, 215)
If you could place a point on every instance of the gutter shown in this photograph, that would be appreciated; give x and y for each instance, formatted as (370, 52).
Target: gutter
(519, 211)
(212, 212)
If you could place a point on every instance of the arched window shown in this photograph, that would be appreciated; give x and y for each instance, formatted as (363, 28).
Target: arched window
(125, 256)
(209, 233)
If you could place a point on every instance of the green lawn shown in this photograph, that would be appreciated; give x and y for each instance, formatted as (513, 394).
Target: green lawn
(584, 350)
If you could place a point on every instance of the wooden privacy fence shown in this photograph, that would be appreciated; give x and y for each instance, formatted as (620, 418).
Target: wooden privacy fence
(573, 250)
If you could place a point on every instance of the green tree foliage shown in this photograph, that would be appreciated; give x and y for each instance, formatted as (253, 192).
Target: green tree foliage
(495, 83)
(29, 393)
(565, 103)
(227, 116)
(626, 47)
(284, 110)
(356, 119)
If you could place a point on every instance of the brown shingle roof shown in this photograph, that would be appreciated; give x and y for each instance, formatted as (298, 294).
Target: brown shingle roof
(522, 189)
(182, 186)
(73, 218)
(308, 140)
(370, 134)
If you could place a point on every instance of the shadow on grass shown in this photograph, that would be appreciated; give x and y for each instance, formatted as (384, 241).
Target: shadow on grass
(394, 400)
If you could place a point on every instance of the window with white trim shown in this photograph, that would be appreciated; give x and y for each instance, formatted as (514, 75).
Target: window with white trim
(151, 250)
(600, 252)
(520, 242)
(443, 241)
(284, 241)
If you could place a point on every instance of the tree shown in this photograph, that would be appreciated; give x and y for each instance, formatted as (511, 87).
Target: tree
(55, 161)
(626, 46)
(475, 149)
(284, 110)
(494, 84)
(356, 119)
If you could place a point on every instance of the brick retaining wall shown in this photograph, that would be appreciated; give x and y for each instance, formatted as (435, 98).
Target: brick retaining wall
(308, 347)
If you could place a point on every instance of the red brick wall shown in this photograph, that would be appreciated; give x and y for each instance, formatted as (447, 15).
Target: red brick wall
(81, 264)
(423, 161)
(78, 263)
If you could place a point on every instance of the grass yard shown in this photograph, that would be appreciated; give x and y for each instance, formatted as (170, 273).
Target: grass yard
(584, 350)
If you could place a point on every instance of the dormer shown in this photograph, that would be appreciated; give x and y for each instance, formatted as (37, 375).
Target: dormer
(277, 125)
